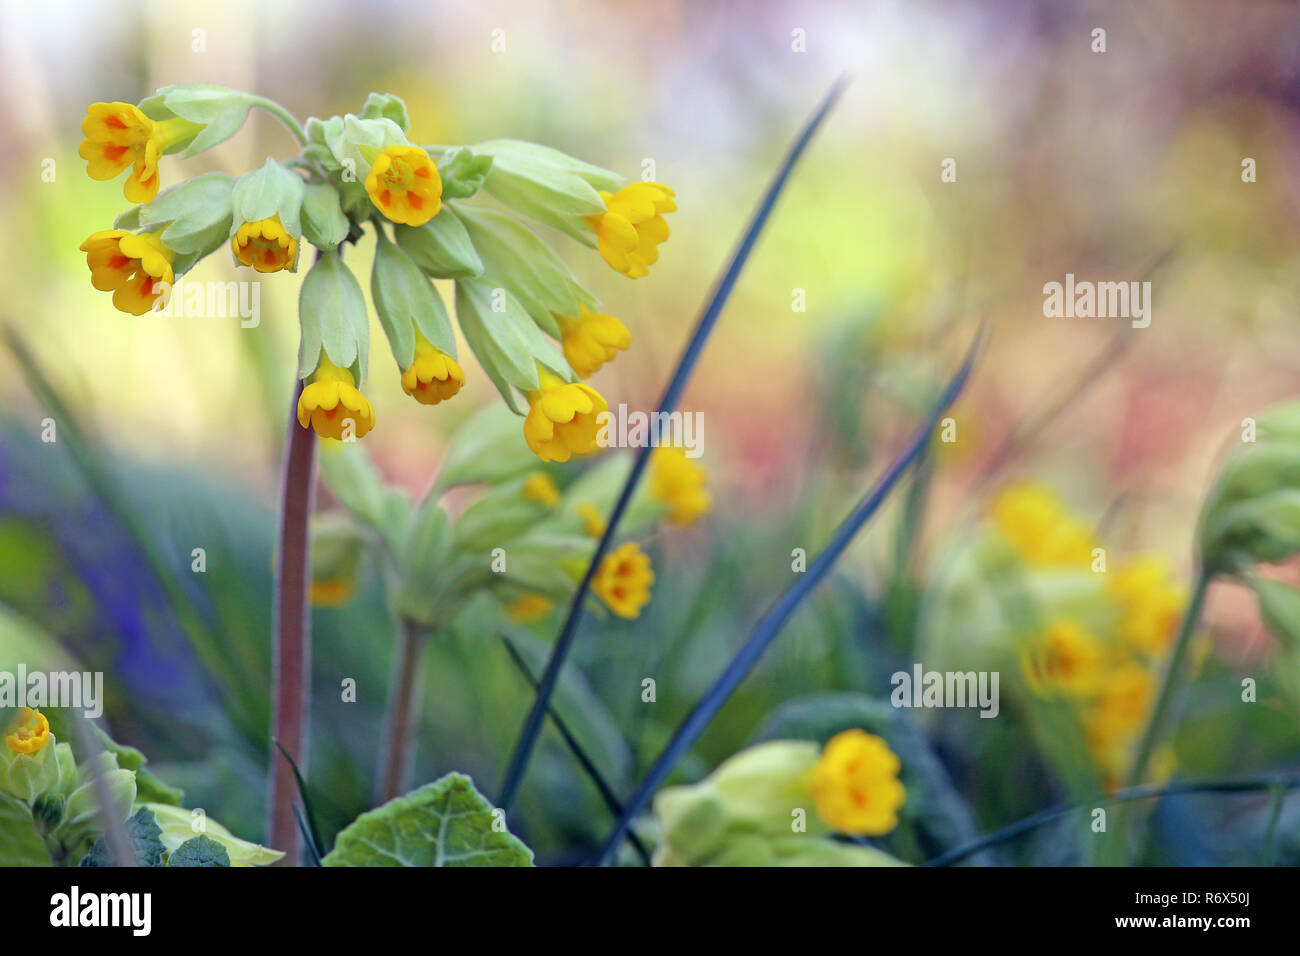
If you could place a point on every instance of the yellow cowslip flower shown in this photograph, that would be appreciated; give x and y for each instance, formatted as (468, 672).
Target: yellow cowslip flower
(562, 418)
(591, 339)
(137, 269)
(29, 733)
(1151, 603)
(855, 784)
(331, 592)
(119, 135)
(1037, 524)
(593, 522)
(632, 226)
(265, 245)
(404, 185)
(540, 488)
(678, 482)
(623, 580)
(1114, 717)
(530, 607)
(1065, 659)
(331, 399)
(433, 376)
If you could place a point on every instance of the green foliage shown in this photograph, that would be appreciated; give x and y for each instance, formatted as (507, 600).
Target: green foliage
(145, 837)
(199, 851)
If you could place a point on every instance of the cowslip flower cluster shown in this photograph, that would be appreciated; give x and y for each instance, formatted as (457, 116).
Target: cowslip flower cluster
(1101, 659)
(533, 327)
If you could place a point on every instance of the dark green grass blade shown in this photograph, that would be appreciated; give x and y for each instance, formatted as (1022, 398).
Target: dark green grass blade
(771, 623)
(310, 831)
(667, 403)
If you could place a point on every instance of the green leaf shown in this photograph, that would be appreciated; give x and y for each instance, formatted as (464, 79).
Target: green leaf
(145, 836)
(444, 823)
(386, 106)
(441, 247)
(462, 172)
(332, 314)
(221, 110)
(1279, 606)
(489, 446)
(199, 851)
(405, 301)
(323, 222)
(20, 844)
(197, 214)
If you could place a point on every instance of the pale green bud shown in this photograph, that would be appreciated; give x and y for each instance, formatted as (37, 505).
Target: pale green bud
(220, 110)
(441, 247)
(29, 776)
(332, 316)
(323, 222)
(272, 192)
(422, 563)
(406, 301)
(83, 808)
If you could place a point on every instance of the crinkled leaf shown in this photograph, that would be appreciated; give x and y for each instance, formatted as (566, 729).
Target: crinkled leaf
(444, 823)
(199, 851)
(145, 836)
(462, 172)
(387, 106)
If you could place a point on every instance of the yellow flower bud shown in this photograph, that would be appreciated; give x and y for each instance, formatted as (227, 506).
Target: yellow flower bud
(119, 135)
(433, 376)
(678, 482)
(331, 400)
(591, 339)
(540, 488)
(137, 269)
(632, 226)
(29, 733)
(404, 185)
(623, 580)
(855, 784)
(593, 522)
(530, 607)
(562, 418)
(265, 245)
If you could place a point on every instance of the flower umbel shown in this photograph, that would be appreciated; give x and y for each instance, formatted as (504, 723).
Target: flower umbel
(855, 784)
(678, 482)
(632, 226)
(135, 268)
(331, 400)
(433, 375)
(29, 733)
(562, 418)
(119, 135)
(265, 245)
(623, 580)
(591, 339)
(404, 185)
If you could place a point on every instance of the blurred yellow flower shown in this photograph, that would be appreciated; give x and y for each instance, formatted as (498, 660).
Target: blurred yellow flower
(137, 269)
(530, 607)
(632, 226)
(623, 580)
(119, 135)
(265, 245)
(433, 376)
(1151, 603)
(331, 592)
(593, 522)
(29, 733)
(331, 400)
(404, 185)
(591, 339)
(1037, 524)
(1065, 658)
(562, 418)
(855, 784)
(540, 488)
(678, 481)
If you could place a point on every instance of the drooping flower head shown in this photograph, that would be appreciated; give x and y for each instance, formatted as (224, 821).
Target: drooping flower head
(265, 245)
(855, 784)
(404, 185)
(632, 226)
(623, 580)
(332, 404)
(433, 376)
(29, 733)
(591, 339)
(120, 135)
(539, 487)
(1064, 659)
(677, 481)
(137, 269)
(562, 418)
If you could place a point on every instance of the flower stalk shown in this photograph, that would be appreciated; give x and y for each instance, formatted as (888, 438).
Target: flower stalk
(291, 631)
(399, 720)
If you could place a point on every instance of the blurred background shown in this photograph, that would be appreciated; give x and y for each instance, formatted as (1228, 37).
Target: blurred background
(1114, 166)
